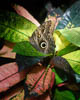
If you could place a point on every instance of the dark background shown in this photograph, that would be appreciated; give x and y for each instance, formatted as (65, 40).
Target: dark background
(36, 7)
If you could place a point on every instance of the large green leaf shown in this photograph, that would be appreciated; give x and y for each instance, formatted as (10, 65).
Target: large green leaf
(71, 17)
(65, 28)
(67, 49)
(74, 60)
(63, 95)
(60, 41)
(15, 28)
(26, 49)
(72, 35)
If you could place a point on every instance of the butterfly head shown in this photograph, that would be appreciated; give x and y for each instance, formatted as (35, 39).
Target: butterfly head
(42, 38)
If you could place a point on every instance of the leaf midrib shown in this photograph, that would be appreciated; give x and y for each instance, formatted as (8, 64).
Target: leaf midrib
(14, 29)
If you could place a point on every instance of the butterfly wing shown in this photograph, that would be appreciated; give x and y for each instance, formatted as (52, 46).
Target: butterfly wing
(42, 38)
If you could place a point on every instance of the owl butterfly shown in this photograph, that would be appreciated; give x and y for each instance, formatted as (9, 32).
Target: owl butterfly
(42, 38)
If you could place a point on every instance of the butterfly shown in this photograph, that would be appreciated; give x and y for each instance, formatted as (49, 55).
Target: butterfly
(42, 38)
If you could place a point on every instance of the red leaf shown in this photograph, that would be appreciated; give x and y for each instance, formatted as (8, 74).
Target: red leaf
(9, 76)
(6, 50)
(23, 12)
(38, 80)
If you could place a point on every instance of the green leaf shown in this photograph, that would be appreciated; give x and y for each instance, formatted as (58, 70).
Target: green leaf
(58, 80)
(63, 95)
(69, 28)
(71, 17)
(26, 49)
(74, 60)
(68, 49)
(15, 28)
(60, 41)
(72, 35)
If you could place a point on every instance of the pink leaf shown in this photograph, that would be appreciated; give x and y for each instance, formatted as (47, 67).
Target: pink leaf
(23, 12)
